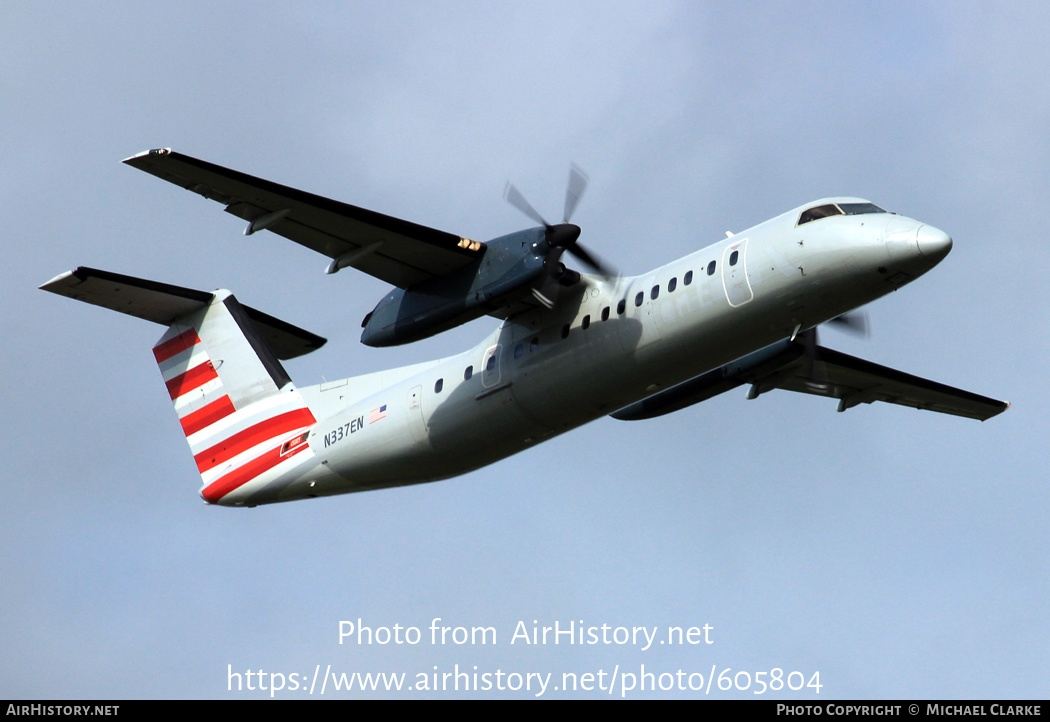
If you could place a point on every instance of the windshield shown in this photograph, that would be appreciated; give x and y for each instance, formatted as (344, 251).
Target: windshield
(837, 209)
(856, 209)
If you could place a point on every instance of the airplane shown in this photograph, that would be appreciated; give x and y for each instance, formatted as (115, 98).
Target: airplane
(570, 347)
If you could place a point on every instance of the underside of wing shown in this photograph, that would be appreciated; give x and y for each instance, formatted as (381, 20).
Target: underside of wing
(814, 369)
(855, 381)
(396, 251)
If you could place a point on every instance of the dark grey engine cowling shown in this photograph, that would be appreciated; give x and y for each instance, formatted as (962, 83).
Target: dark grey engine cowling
(510, 268)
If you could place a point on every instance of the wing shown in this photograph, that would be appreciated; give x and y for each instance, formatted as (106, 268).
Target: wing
(817, 370)
(396, 251)
(855, 381)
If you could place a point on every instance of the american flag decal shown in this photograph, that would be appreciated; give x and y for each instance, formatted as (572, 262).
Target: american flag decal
(377, 414)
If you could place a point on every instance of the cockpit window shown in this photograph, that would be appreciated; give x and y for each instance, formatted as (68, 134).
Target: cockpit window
(837, 209)
(819, 212)
(856, 209)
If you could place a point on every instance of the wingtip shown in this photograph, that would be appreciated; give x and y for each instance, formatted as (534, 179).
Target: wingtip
(1004, 406)
(56, 281)
(145, 153)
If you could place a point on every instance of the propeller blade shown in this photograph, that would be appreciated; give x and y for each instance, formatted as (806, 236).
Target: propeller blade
(562, 237)
(574, 191)
(591, 261)
(855, 323)
(513, 196)
(816, 371)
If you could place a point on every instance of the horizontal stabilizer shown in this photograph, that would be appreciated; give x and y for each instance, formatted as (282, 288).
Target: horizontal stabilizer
(163, 303)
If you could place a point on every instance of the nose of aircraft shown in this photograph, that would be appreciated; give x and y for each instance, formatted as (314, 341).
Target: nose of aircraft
(933, 243)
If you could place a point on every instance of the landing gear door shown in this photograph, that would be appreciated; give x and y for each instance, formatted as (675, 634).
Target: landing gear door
(734, 273)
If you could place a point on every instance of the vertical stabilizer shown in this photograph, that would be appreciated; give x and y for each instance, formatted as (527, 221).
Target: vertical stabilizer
(246, 424)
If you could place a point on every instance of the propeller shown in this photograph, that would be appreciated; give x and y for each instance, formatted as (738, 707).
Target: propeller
(855, 322)
(574, 191)
(814, 370)
(563, 236)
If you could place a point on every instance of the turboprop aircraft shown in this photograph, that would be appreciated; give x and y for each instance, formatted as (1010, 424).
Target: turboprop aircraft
(570, 347)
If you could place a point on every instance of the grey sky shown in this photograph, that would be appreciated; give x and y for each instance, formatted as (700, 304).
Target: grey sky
(898, 553)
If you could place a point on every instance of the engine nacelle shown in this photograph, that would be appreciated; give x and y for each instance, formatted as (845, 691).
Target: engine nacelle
(510, 268)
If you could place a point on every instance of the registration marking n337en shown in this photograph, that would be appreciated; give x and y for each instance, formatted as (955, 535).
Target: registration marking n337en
(344, 431)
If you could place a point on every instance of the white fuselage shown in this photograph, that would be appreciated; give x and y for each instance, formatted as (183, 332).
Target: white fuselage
(609, 342)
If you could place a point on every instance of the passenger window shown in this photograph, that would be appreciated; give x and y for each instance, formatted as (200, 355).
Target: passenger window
(621, 306)
(437, 385)
(733, 258)
(519, 350)
(468, 373)
(605, 313)
(672, 285)
(586, 322)
(711, 268)
(655, 292)
(639, 298)
(491, 365)
(688, 277)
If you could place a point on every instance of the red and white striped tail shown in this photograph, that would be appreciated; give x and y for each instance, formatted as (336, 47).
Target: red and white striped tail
(246, 424)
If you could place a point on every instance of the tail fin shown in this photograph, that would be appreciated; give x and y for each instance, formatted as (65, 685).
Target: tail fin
(242, 416)
(246, 424)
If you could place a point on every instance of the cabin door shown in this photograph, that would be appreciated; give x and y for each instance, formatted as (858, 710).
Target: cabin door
(734, 273)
